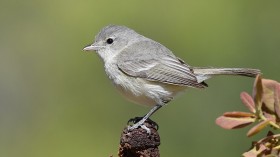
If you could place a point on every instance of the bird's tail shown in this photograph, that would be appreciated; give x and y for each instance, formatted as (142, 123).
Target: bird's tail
(204, 73)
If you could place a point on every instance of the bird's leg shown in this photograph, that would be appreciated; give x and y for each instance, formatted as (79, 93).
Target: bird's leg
(141, 122)
(137, 119)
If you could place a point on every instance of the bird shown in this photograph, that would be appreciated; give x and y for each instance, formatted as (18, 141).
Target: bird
(148, 73)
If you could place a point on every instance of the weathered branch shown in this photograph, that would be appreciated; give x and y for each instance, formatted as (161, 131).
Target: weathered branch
(139, 143)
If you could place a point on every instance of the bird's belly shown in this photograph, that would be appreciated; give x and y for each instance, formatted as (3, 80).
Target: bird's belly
(140, 90)
(137, 99)
(143, 92)
(133, 90)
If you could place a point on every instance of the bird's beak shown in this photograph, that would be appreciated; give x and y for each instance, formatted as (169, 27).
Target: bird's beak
(92, 47)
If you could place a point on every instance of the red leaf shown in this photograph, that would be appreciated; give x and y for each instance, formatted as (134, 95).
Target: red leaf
(271, 95)
(254, 152)
(248, 101)
(277, 100)
(257, 128)
(234, 122)
(270, 116)
(268, 94)
(269, 83)
(258, 92)
(237, 114)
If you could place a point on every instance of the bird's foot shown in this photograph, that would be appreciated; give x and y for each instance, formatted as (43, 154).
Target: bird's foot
(140, 122)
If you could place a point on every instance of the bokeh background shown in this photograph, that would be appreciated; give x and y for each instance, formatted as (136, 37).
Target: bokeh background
(55, 99)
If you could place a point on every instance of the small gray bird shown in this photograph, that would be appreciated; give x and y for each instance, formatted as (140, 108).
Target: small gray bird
(148, 73)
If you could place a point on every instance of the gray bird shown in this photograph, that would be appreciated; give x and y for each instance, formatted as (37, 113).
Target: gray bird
(146, 72)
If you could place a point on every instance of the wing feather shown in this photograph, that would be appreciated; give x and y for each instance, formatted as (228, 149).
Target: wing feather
(152, 61)
(166, 70)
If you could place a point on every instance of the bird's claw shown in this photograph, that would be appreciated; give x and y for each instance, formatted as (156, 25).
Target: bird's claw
(134, 120)
(143, 126)
(139, 122)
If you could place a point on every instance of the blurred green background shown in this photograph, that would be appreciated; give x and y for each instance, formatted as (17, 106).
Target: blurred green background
(56, 101)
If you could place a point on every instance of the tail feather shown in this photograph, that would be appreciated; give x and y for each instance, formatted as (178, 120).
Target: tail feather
(204, 73)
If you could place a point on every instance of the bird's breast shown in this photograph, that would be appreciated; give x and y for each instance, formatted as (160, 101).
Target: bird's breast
(139, 90)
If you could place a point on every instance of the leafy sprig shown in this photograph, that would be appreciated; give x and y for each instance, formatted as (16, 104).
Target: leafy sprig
(264, 110)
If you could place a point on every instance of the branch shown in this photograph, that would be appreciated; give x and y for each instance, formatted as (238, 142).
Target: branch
(139, 143)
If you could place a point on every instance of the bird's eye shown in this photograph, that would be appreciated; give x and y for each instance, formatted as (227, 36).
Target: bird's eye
(109, 41)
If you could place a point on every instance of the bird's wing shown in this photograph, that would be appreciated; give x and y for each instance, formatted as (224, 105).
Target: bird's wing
(163, 67)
